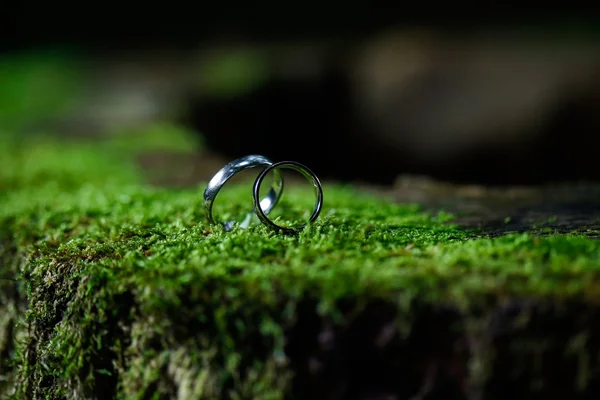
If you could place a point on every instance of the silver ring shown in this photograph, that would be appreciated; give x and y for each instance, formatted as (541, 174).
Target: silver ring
(261, 212)
(227, 172)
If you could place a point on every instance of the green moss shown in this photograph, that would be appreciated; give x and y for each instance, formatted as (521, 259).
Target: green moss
(229, 73)
(129, 291)
(37, 84)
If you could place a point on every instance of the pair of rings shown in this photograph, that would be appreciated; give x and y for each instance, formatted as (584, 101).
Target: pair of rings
(264, 206)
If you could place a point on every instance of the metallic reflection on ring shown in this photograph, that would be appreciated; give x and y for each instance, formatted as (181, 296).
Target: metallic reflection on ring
(227, 172)
(261, 212)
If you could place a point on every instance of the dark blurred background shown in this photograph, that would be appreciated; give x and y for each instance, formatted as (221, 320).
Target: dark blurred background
(357, 94)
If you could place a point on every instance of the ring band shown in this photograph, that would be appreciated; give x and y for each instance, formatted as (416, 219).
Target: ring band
(231, 169)
(308, 174)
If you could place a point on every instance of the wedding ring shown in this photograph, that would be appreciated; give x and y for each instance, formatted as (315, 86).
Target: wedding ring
(262, 211)
(231, 169)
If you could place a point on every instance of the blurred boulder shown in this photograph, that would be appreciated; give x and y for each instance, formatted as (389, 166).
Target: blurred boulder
(495, 108)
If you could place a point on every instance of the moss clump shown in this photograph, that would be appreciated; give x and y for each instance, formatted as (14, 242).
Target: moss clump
(117, 289)
(37, 85)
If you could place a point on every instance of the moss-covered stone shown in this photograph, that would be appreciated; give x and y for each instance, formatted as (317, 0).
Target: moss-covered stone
(113, 288)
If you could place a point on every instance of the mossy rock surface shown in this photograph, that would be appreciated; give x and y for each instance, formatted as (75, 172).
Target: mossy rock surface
(113, 288)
